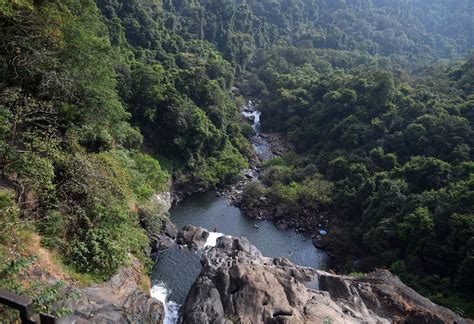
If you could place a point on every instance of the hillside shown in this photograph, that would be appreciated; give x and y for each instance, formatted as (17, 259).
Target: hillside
(105, 103)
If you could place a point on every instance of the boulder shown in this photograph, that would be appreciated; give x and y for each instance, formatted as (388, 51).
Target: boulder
(164, 200)
(238, 283)
(193, 237)
(117, 301)
(387, 296)
(165, 239)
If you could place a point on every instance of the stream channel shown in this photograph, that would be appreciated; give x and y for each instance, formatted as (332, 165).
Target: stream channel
(176, 269)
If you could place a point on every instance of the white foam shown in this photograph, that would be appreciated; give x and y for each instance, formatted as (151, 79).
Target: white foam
(255, 114)
(161, 292)
(212, 239)
(172, 313)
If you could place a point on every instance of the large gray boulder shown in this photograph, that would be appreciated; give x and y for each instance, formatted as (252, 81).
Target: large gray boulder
(119, 300)
(165, 238)
(238, 284)
(193, 237)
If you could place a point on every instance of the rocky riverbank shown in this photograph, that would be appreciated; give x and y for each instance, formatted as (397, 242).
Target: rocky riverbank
(321, 226)
(125, 298)
(237, 283)
(120, 300)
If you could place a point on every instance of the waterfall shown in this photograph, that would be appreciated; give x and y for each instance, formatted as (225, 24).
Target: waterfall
(161, 292)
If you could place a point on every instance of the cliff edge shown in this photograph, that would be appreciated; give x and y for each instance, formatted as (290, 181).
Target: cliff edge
(238, 284)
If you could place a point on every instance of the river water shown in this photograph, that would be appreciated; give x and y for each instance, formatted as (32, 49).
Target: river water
(176, 269)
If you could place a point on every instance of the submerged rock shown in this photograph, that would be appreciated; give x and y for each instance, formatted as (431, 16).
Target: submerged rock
(238, 283)
(319, 242)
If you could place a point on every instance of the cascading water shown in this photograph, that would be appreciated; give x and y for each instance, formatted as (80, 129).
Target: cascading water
(176, 269)
(260, 145)
(162, 292)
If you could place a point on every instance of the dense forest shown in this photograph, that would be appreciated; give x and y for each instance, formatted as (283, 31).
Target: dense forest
(103, 103)
(392, 162)
(83, 97)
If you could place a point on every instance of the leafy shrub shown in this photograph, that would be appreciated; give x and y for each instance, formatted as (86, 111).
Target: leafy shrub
(105, 240)
(247, 130)
(44, 295)
(252, 192)
(8, 216)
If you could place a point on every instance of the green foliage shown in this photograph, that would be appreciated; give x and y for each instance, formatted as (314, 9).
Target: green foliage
(421, 30)
(396, 158)
(226, 167)
(177, 90)
(44, 298)
(97, 191)
(356, 274)
(253, 191)
(9, 221)
(292, 186)
(8, 7)
(9, 271)
(384, 143)
(96, 251)
(66, 143)
(464, 281)
(44, 295)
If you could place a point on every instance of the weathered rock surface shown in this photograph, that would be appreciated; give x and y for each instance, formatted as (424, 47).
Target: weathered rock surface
(238, 284)
(193, 237)
(165, 239)
(278, 145)
(160, 230)
(117, 301)
(164, 200)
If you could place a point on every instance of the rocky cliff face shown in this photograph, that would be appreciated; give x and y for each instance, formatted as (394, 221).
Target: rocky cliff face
(239, 285)
(120, 300)
(117, 301)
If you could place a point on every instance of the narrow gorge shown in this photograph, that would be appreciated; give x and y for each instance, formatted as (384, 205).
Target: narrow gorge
(236, 161)
(224, 267)
(218, 215)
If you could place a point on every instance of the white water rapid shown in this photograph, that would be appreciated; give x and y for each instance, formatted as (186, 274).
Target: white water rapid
(161, 292)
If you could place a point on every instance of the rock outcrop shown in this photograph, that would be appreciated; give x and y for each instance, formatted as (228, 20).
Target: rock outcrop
(164, 200)
(120, 300)
(160, 230)
(165, 238)
(193, 237)
(117, 301)
(237, 283)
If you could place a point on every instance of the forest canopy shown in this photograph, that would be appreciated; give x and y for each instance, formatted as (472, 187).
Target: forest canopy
(104, 103)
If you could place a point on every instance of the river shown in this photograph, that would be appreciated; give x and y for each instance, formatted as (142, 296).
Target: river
(176, 269)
